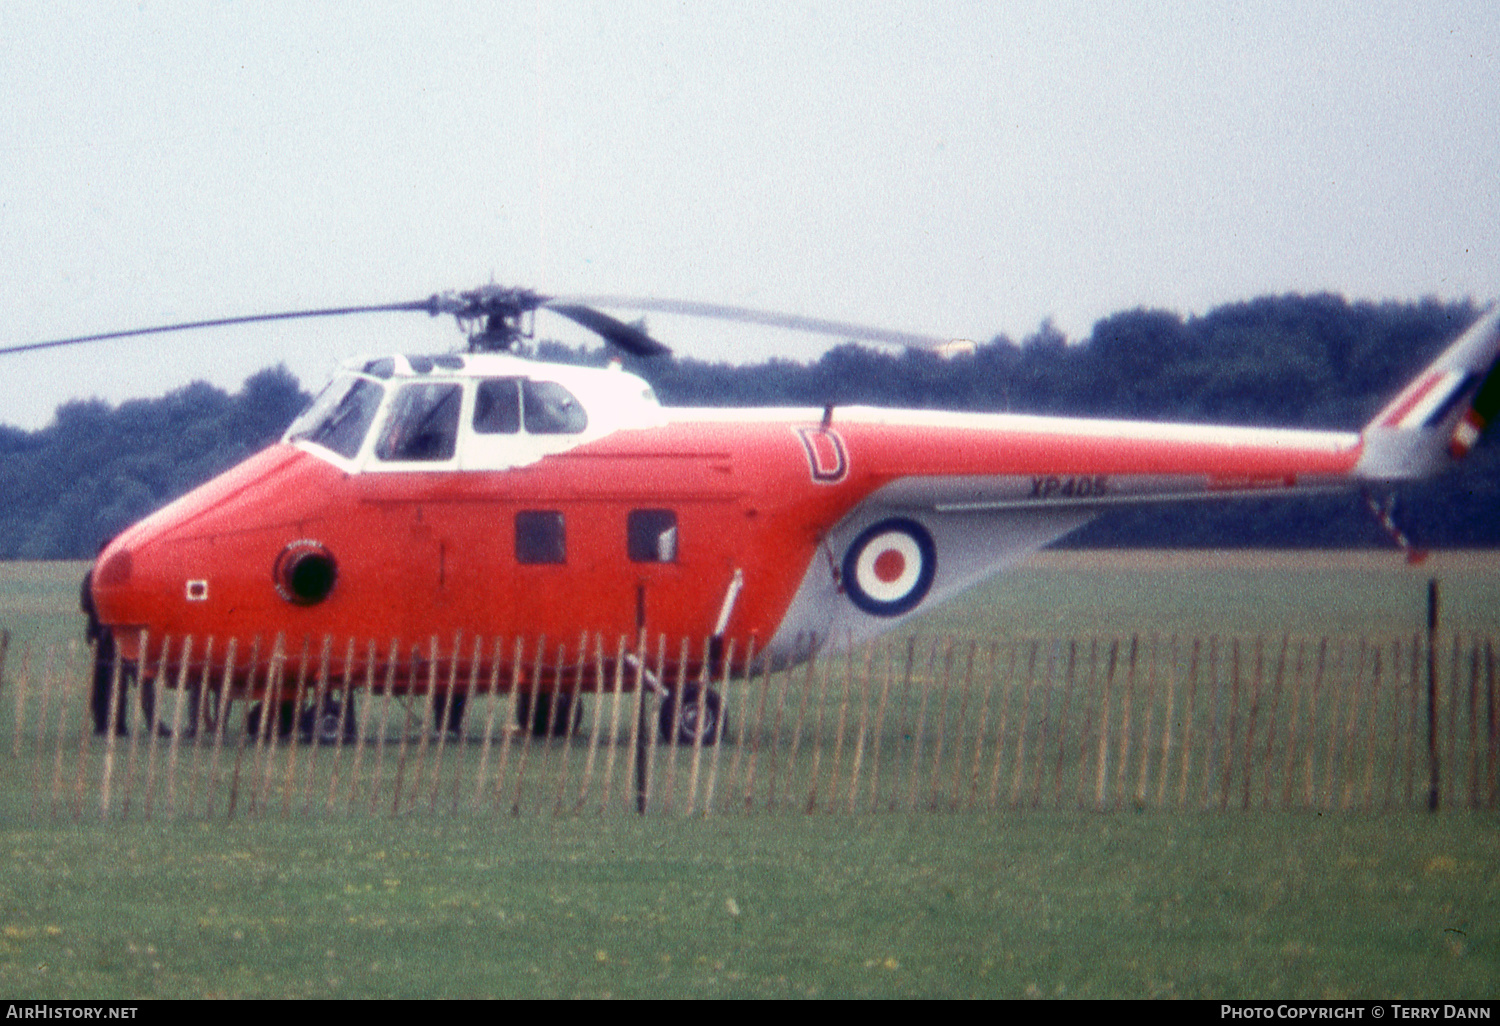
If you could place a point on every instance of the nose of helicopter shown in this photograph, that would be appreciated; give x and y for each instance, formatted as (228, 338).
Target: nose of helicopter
(156, 575)
(128, 588)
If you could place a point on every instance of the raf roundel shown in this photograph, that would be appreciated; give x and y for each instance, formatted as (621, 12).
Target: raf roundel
(888, 570)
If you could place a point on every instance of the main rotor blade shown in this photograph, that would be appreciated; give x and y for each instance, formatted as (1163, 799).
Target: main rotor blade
(628, 337)
(425, 305)
(792, 322)
(492, 301)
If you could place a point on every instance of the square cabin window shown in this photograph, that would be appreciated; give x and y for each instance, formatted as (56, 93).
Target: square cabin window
(651, 536)
(497, 407)
(422, 425)
(540, 537)
(550, 409)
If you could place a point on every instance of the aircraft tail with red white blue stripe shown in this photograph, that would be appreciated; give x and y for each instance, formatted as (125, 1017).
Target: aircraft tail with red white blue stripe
(1440, 416)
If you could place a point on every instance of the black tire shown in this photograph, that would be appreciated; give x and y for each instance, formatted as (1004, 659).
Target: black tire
(147, 689)
(328, 725)
(702, 714)
(554, 715)
(454, 704)
(283, 721)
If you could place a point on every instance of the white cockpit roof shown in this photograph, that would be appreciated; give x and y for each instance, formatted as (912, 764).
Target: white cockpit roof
(364, 418)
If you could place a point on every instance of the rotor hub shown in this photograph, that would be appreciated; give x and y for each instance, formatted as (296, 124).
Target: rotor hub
(494, 317)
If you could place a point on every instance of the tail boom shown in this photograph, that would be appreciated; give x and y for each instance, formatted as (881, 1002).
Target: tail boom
(1440, 416)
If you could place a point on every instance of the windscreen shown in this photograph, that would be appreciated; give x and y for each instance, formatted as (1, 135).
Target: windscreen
(340, 416)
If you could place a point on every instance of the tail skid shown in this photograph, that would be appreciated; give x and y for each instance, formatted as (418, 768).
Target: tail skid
(1439, 416)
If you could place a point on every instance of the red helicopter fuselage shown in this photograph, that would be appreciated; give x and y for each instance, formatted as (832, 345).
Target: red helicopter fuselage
(488, 496)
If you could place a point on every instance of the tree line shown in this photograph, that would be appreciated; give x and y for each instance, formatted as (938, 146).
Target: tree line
(97, 468)
(1315, 361)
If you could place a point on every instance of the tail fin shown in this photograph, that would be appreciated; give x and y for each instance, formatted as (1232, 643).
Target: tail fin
(1439, 416)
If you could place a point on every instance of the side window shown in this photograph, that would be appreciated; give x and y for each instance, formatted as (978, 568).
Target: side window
(551, 409)
(497, 407)
(540, 537)
(423, 423)
(651, 536)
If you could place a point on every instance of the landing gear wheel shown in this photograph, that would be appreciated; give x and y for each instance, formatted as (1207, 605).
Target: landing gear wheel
(554, 716)
(256, 714)
(148, 704)
(454, 705)
(213, 707)
(162, 727)
(696, 712)
(329, 725)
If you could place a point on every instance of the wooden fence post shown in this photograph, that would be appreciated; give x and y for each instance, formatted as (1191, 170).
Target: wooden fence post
(958, 731)
(245, 739)
(858, 758)
(834, 789)
(346, 699)
(940, 735)
(1127, 716)
(720, 723)
(493, 707)
(817, 745)
(1101, 771)
(1434, 773)
(377, 776)
(113, 718)
(1277, 680)
(508, 730)
(1023, 727)
(221, 720)
(616, 691)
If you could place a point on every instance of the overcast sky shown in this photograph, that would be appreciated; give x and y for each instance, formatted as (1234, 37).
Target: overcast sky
(960, 169)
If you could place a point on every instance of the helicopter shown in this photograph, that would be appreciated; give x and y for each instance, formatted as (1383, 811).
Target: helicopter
(486, 492)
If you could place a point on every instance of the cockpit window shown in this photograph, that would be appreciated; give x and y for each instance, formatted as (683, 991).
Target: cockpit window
(497, 407)
(550, 409)
(423, 423)
(340, 416)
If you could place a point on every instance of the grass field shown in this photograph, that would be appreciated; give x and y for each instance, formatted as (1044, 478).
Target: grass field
(1006, 906)
(1002, 903)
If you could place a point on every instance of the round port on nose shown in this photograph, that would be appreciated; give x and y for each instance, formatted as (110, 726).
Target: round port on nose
(305, 573)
